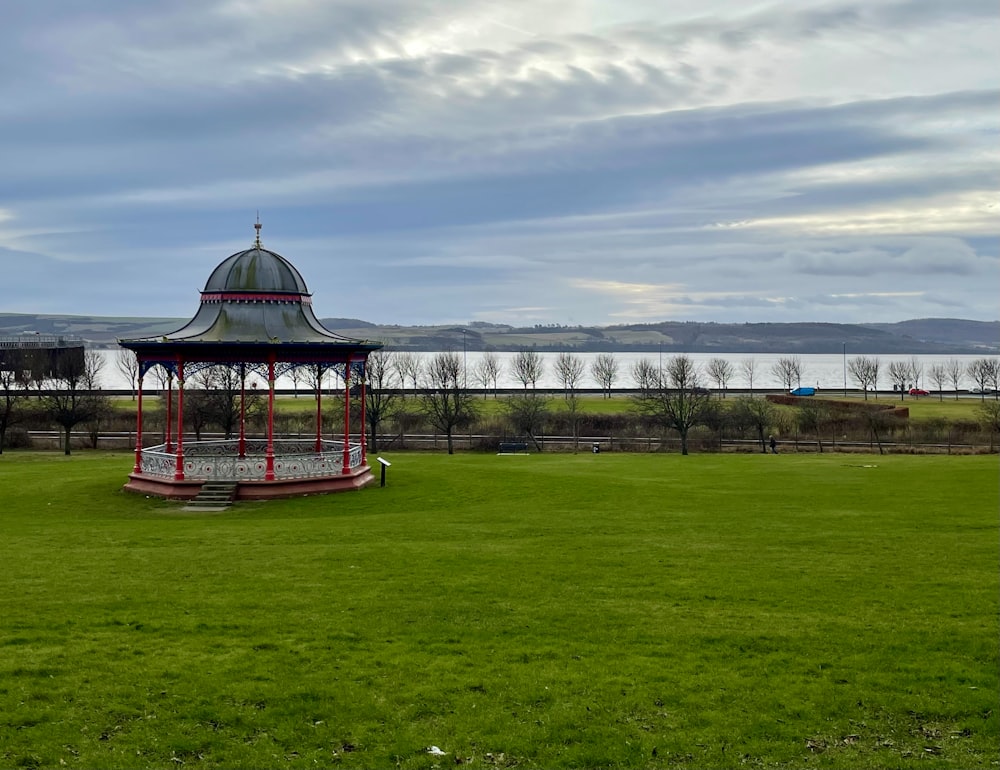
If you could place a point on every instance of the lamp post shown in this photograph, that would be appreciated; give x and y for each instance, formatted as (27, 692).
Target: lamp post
(465, 363)
(845, 370)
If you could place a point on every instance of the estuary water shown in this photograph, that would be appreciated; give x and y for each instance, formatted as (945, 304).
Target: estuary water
(822, 371)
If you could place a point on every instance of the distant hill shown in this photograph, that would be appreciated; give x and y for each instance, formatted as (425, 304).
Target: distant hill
(943, 336)
(949, 331)
(95, 329)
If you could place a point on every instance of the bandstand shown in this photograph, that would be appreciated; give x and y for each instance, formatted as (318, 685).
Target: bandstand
(255, 318)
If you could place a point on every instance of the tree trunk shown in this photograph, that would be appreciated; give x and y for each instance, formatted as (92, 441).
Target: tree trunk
(451, 445)
(878, 439)
(66, 445)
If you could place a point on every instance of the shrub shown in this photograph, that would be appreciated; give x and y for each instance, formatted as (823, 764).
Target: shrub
(17, 438)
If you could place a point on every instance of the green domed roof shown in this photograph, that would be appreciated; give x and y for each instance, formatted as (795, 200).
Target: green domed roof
(255, 302)
(256, 270)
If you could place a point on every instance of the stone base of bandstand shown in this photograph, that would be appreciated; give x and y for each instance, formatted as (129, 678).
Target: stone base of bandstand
(171, 489)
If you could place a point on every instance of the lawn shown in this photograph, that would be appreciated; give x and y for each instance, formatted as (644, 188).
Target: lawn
(920, 408)
(632, 611)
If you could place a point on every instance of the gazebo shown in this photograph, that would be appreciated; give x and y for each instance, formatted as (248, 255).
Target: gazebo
(255, 317)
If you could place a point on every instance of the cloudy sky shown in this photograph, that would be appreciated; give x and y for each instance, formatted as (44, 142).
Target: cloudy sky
(525, 161)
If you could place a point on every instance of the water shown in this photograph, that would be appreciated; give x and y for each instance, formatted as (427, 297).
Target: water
(822, 371)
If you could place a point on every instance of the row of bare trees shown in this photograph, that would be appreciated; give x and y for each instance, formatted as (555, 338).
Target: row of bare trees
(671, 394)
(982, 373)
(670, 397)
(66, 393)
(866, 372)
(670, 400)
(527, 367)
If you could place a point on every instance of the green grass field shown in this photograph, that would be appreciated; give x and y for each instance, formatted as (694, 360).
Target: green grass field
(576, 611)
(927, 407)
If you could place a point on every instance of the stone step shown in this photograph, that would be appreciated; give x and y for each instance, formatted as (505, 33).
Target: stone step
(213, 495)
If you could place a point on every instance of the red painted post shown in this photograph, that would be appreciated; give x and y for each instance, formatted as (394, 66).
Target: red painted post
(170, 416)
(269, 469)
(319, 409)
(243, 411)
(364, 424)
(179, 473)
(346, 469)
(138, 425)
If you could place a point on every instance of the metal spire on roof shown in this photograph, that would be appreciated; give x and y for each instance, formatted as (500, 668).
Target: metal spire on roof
(256, 243)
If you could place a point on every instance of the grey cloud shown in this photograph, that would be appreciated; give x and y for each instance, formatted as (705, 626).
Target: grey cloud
(790, 22)
(857, 263)
(919, 256)
(467, 171)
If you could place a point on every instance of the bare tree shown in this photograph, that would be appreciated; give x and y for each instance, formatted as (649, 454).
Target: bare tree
(526, 367)
(487, 371)
(984, 373)
(214, 398)
(678, 401)
(102, 408)
(74, 395)
(756, 412)
(381, 402)
(93, 365)
(748, 366)
(900, 375)
(864, 372)
(447, 404)
(297, 375)
(721, 372)
(128, 365)
(604, 370)
(989, 417)
(879, 422)
(645, 375)
(955, 372)
(316, 376)
(788, 371)
(569, 370)
(527, 413)
(938, 374)
(917, 372)
(812, 418)
(409, 366)
(162, 376)
(13, 396)
(993, 373)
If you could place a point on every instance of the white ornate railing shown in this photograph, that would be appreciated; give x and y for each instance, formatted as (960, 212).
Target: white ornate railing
(220, 460)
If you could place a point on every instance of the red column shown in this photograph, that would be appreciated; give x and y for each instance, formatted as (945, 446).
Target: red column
(170, 416)
(347, 418)
(364, 423)
(319, 408)
(269, 470)
(138, 424)
(179, 473)
(243, 410)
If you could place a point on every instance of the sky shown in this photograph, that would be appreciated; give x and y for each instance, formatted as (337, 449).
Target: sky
(528, 162)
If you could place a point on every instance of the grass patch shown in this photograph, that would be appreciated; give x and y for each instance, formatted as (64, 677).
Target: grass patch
(541, 611)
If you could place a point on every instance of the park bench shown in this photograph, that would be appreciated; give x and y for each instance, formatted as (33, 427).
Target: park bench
(512, 447)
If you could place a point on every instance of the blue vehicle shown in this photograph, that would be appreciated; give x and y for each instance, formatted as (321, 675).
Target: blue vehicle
(803, 391)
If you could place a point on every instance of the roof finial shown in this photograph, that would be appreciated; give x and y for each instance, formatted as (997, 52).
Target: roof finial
(256, 243)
